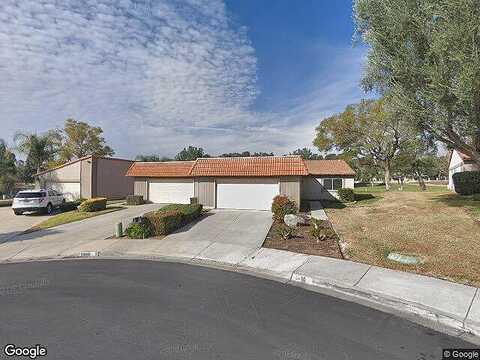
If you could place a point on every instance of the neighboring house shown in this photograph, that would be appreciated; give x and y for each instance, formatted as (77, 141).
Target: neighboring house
(88, 177)
(459, 162)
(240, 182)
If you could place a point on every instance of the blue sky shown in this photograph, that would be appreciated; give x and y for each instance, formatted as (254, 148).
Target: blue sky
(159, 75)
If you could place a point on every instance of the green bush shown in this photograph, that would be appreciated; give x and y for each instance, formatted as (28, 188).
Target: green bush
(282, 206)
(95, 204)
(467, 182)
(139, 230)
(321, 230)
(134, 200)
(70, 205)
(286, 232)
(346, 195)
(476, 197)
(172, 217)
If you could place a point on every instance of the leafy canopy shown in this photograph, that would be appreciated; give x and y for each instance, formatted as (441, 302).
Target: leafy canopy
(426, 55)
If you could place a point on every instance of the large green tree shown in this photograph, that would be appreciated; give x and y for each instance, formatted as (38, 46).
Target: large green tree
(365, 131)
(152, 158)
(426, 55)
(78, 139)
(39, 149)
(306, 154)
(7, 169)
(191, 153)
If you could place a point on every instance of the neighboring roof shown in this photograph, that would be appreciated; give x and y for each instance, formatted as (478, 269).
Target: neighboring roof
(77, 160)
(161, 169)
(250, 166)
(329, 167)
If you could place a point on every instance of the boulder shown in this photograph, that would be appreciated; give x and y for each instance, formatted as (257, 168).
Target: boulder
(292, 220)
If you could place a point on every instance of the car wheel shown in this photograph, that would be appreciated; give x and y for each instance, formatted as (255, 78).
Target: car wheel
(49, 209)
(17, 212)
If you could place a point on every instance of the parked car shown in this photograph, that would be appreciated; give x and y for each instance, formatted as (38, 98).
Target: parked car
(37, 200)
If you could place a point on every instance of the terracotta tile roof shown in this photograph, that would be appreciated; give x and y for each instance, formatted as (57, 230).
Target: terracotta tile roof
(161, 169)
(250, 166)
(329, 167)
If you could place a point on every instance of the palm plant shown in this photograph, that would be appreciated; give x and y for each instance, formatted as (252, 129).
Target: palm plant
(39, 149)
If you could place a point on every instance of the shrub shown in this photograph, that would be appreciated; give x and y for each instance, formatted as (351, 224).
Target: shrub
(172, 217)
(95, 204)
(346, 195)
(467, 182)
(70, 205)
(286, 232)
(282, 206)
(476, 197)
(134, 200)
(321, 230)
(139, 230)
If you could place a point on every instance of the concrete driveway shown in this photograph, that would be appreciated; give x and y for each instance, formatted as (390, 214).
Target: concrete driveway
(68, 239)
(222, 236)
(11, 224)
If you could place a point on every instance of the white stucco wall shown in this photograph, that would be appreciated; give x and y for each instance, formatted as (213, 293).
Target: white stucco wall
(458, 165)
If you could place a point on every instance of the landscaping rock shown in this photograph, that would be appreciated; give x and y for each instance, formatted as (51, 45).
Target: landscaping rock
(292, 220)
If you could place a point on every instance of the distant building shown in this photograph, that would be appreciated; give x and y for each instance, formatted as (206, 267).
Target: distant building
(459, 162)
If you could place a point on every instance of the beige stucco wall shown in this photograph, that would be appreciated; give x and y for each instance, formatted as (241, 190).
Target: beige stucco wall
(86, 178)
(140, 187)
(69, 173)
(312, 188)
(291, 186)
(111, 181)
(205, 191)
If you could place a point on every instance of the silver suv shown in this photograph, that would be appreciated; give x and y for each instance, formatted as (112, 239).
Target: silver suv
(37, 200)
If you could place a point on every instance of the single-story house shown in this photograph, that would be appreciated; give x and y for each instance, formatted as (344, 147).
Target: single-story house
(459, 162)
(88, 177)
(240, 182)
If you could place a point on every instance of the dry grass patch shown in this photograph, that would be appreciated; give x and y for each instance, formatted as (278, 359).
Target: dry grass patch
(442, 228)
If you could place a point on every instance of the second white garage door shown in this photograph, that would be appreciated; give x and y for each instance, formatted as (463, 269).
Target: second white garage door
(246, 193)
(178, 191)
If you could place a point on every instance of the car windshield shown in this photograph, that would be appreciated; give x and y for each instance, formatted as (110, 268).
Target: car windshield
(28, 195)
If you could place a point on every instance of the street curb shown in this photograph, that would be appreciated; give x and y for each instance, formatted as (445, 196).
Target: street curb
(414, 312)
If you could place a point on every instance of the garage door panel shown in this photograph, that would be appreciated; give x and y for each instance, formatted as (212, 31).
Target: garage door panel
(171, 191)
(70, 190)
(248, 194)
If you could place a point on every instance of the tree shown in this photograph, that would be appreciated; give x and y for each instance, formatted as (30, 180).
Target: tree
(7, 160)
(306, 154)
(40, 149)
(79, 139)
(236, 154)
(365, 130)
(426, 54)
(7, 169)
(25, 171)
(152, 158)
(191, 153)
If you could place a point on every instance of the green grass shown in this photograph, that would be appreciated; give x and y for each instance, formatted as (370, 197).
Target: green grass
(71, 216)
(396, 187)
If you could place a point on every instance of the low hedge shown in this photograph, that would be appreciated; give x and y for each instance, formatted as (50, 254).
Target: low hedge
(70, 205)
(467, 182)
(95, 204)
(346, 195)
(139, 230)
(134, 200)
(172, 217)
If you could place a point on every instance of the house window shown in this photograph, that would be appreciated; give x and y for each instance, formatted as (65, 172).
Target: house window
(332, 184)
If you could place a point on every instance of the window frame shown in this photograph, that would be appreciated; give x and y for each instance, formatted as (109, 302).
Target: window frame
(332, 182)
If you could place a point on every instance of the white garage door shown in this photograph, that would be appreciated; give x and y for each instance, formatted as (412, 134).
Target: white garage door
(178, 191)
(246, 193)
(70, 190)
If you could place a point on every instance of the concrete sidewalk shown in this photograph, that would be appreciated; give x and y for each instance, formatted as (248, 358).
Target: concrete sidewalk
(438, 304)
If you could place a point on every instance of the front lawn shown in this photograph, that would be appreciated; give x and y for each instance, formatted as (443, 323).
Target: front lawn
(71, 216)
(440, 227)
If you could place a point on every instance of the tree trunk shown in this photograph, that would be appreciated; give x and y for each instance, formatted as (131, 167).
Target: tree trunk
(387, 174)
(421, 183)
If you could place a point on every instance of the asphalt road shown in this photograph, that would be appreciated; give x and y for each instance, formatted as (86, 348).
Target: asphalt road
(106, 309)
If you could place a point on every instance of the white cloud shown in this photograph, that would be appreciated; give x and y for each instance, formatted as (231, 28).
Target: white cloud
(156, 75)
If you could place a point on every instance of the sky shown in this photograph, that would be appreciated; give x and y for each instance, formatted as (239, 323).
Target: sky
(159, 75)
